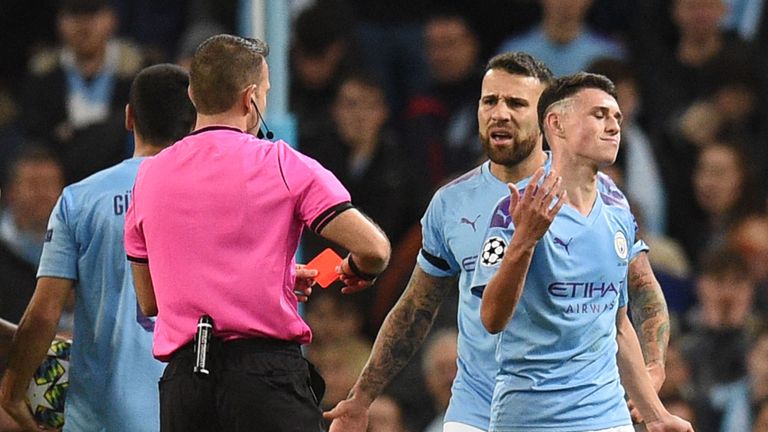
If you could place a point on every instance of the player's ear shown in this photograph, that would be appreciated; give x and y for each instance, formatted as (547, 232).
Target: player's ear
(129, 120)
(553, 122)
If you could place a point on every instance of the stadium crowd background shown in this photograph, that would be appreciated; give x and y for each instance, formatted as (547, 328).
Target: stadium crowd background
(385, 96)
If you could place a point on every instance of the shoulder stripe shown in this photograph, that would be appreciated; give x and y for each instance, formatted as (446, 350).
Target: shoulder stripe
(137, 259)
(436, 261)
(322, 220)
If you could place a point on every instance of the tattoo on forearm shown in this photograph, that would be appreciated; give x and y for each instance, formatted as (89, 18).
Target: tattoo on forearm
(403, 331)
(649, 312)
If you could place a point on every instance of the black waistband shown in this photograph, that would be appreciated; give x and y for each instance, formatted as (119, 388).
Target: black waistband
(247, 345)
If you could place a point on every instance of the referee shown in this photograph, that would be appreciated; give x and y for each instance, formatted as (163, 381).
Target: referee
(213, 227)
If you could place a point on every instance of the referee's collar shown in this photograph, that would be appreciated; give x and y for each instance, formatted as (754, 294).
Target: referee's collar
(213, 128)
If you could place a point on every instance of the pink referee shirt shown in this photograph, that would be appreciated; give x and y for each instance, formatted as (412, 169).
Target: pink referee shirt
(218, 217)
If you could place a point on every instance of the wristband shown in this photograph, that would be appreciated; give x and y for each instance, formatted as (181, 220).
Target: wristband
(357, 272)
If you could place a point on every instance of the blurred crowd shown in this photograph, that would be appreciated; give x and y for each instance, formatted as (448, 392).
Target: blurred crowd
(385, 96)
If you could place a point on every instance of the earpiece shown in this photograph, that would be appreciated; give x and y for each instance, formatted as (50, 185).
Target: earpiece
(268, 133)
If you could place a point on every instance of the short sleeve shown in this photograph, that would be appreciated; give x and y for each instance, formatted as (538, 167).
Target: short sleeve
(434, 257)
(320, 195)
(135, 243)
(638, 246)
(60, 250)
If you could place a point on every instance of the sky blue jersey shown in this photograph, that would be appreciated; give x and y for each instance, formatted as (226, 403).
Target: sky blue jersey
(113, 376)
(557, 355)
(453, 229)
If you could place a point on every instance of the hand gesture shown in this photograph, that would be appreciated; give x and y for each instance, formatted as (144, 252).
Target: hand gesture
(349, 415)
(534, 210)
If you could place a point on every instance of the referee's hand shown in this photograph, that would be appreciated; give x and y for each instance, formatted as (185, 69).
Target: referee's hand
(305, 278)
(353, 281)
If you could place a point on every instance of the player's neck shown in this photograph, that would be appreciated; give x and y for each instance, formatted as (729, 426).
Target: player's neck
(580, 181)
(144, 148)
(523, 169)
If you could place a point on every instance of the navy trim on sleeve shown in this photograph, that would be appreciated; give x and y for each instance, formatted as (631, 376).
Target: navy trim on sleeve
(137, 259)
(436, 261)
(322, 220)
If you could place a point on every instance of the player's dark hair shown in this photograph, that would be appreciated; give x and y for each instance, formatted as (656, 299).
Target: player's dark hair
(162, 111)
(567, 86)
(520, 63)
(221, 68)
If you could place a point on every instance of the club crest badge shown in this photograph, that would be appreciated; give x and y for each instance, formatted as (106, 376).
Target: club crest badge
(620, 244)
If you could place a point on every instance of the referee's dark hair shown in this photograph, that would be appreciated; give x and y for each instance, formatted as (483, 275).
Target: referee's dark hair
(162, 111)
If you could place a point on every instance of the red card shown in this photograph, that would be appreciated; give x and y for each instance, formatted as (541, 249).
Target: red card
(325, 263)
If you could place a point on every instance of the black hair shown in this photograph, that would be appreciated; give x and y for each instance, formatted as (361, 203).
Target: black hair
(161, 107)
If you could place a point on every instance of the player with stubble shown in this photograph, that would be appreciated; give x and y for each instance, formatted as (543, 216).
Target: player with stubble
(509, 132)
(566, 348)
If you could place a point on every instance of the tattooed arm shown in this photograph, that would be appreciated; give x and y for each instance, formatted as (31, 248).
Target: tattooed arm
(400, 336)
(650, 318)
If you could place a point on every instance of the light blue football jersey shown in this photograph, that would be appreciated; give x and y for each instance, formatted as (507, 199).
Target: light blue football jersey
(453, 229)
(557, 355)
(113, 376)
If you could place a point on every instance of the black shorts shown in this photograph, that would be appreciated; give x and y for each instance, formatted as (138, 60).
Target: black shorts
(254, 385)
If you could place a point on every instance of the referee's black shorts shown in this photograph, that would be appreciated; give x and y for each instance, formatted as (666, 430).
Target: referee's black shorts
(254, 385)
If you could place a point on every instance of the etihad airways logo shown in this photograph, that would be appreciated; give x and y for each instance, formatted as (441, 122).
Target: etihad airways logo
(584, 289)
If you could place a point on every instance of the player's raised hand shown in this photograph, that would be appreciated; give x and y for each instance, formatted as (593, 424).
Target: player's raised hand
(534, 210)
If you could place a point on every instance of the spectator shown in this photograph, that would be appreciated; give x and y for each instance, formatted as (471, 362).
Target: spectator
(35, 182)
(563, 40)
(440, 123)
(750, 238)
(742, 400)
(321, 54)
(720, 332)
(75, 94)
(390, 35)
(372, 165)
(677, 69)
(726, 110)
(724, 192)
